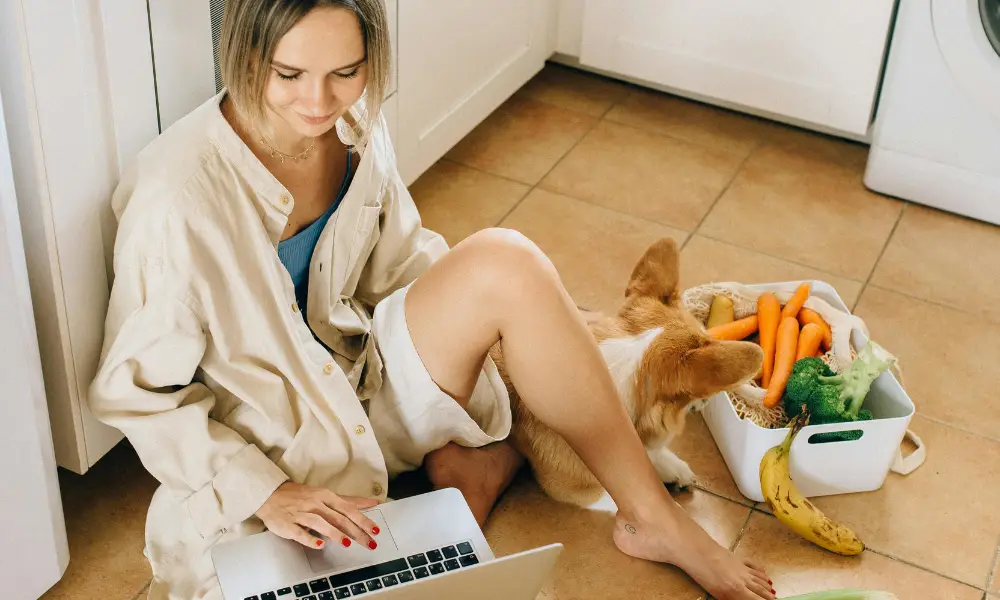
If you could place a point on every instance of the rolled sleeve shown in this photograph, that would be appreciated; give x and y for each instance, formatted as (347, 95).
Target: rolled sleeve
(145, 388)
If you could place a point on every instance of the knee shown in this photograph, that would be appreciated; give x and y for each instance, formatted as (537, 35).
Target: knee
(507, 259)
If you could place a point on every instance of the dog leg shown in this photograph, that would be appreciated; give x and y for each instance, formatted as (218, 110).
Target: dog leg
(670, 468)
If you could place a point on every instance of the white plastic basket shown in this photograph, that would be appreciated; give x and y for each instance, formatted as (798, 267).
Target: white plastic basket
(818, 469)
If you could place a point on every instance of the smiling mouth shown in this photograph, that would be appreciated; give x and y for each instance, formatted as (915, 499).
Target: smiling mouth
(314, 120)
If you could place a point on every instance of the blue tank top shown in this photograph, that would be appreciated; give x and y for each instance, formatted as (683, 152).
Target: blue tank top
(296, 252)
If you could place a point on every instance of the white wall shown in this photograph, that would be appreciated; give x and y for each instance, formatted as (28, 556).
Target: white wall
(33, 548)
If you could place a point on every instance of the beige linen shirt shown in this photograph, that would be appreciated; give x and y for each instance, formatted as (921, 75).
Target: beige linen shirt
(209, 367)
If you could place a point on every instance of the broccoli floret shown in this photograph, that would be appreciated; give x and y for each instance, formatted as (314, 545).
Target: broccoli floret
(833, 398)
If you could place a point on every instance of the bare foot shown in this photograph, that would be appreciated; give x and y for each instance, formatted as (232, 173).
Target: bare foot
(481, 474)
(679, 541)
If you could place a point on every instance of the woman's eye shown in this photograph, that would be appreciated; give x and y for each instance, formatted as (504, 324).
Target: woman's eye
(287, 77)
(350, 75)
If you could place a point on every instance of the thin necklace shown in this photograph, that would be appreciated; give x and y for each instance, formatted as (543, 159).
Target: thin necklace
(281, 156)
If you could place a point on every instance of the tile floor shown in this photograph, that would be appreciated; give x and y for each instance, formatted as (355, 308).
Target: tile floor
(594, 171)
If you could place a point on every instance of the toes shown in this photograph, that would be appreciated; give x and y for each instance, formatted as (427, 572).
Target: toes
(760, 591)
(756, 567)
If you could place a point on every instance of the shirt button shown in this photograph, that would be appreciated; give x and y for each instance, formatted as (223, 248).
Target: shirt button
(328, 368)
(295, 307)
(376, 489)
(285, 199)
(360, 430)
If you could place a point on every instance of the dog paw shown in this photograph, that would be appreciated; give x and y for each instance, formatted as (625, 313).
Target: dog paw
(673, 471)
(684, 477)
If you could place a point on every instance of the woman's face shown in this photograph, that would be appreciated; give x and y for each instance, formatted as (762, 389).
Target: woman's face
(318, 72)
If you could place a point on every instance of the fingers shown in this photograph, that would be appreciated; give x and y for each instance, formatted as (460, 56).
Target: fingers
(340, 518)
(322, 526)
(756, 566)
(291, 531)
(351, 508)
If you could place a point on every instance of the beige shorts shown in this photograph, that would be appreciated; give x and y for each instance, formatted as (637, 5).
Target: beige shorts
(410, 415)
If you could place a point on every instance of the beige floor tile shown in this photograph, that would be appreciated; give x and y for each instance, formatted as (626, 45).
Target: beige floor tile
(594, 249)
(809, 144)
(801, 206)
(645, 174)
(799, 567)
(591, 566)
(691, 121)
(574, 89)
(944, 258)
(105, 518)
(698, 448)
(456, 201)
(944, 516)
(949, 359)
(522, 140)
(704, 260)
(995, 588)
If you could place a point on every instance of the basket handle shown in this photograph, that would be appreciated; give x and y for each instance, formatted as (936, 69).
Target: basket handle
(906, 465)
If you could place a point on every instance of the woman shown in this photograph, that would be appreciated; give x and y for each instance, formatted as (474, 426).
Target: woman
(284, 336)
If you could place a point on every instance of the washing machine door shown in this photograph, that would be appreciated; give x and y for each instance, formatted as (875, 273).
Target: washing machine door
(968, 36)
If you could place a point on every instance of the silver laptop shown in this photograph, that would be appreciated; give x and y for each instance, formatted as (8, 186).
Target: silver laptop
(430, 547)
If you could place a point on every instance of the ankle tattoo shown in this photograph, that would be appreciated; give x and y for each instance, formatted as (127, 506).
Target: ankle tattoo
(629, 528)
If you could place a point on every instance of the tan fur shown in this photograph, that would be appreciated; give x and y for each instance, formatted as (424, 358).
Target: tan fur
(680, 366)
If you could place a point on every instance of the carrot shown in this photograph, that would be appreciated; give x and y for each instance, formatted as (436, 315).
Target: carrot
(735, 330)
(795, 303)
(784, 359)
(769, 315)
(808, 315)
(809, 341)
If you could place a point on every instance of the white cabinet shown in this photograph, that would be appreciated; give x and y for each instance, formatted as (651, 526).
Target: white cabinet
(458, 61)
(816, 62)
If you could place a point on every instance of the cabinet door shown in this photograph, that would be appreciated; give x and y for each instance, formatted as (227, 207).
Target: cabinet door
(815, 62)
(458, 61)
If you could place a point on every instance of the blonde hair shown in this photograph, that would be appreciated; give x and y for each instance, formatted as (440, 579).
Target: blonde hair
(251, 30)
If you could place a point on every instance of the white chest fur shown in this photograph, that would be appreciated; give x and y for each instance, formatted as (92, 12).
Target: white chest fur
(623, 356)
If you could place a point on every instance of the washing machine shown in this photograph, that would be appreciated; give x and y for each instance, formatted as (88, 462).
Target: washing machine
(936, 137)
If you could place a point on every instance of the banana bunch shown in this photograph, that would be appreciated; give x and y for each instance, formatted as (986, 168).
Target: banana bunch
(795, 510)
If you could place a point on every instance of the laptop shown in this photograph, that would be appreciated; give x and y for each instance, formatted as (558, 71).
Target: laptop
(430, 547)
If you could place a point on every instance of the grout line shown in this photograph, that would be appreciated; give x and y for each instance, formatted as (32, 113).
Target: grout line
(885, 246)
(893, 557)
(484, 172)
(957, 428)
(729, 184)
(145, 588)
(743, 529)
(775, 256)
(909, 296)
(555, 164)
(993, 572)
(722, 497)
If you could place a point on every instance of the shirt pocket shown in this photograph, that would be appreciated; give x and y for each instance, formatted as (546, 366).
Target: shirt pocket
(366, 235)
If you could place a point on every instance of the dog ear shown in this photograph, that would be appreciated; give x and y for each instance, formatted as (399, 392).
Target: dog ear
(657, 272)
(719, 366)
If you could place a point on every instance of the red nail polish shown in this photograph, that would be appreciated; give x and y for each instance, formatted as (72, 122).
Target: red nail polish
(769, 582)
(346, 542)
(376, 530)
(319, 543)
(372, 544)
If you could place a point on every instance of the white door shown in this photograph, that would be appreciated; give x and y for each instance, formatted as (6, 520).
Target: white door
(458, 61)
(33, 548)
(815, 62)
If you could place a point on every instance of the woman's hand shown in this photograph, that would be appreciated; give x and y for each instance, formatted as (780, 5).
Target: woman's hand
(300, 512)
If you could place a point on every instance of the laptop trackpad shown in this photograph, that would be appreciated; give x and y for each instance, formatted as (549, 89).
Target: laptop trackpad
(334, 557)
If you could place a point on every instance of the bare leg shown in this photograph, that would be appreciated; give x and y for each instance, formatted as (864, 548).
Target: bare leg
(497, 286)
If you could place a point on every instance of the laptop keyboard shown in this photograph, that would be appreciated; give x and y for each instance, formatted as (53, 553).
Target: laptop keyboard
(377, 577)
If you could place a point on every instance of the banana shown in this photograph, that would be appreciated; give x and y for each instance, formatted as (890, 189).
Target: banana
(795, 510)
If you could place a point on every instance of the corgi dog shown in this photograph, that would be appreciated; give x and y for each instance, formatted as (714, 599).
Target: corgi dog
(664, 365)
